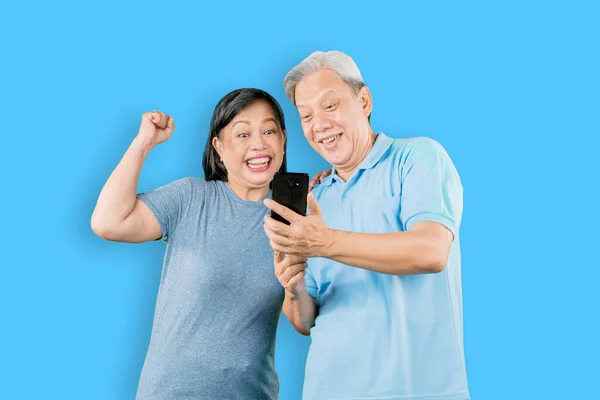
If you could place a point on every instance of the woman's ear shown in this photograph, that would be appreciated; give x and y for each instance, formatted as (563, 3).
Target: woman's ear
(218, 147)
(284, 140)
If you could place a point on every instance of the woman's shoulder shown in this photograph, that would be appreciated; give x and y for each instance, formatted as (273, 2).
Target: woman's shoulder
(191, 188)
(192, 183)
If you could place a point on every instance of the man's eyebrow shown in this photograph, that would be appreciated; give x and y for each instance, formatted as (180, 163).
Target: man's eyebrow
(299, 105)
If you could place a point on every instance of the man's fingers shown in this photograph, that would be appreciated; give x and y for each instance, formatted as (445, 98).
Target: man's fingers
(278, 239)
(278, 247)
(282, 210)
(276, 226)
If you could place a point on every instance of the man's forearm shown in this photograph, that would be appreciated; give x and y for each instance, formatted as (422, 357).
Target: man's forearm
(398, 253)
(301, 311)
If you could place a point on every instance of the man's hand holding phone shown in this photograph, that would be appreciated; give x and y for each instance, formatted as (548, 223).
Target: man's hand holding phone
(305, 236)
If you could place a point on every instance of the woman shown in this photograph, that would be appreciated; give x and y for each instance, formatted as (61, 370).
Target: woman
(219, 301)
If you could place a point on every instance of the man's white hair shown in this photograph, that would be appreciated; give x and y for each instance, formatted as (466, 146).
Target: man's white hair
(336, 61)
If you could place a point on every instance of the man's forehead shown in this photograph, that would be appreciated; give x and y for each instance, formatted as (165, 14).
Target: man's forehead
(314, 96)
(319, 84)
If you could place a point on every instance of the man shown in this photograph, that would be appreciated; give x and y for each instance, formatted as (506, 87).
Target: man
(381, 296)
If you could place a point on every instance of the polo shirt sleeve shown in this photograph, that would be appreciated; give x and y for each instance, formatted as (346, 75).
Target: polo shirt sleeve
(431, 187)
(311, 284)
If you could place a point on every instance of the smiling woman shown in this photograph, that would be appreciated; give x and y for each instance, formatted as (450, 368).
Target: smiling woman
(239, 125)
(219, 300)
(246, 145)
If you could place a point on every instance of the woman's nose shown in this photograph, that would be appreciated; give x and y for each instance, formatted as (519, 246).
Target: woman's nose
(258, 142)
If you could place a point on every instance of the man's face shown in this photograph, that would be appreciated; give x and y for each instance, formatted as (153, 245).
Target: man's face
(334, 118)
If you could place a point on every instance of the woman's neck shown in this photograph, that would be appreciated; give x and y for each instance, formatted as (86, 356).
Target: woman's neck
(248, 194)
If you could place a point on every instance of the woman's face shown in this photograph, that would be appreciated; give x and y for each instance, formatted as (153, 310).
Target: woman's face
(251, 147)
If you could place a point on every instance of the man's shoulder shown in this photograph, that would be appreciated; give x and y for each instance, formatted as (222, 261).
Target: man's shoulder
(417, 144)
(418, 149)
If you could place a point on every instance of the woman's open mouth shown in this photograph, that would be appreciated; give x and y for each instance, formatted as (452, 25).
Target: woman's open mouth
(259, 164)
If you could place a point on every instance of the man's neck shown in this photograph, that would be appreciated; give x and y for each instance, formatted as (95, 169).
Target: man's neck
(346, 173)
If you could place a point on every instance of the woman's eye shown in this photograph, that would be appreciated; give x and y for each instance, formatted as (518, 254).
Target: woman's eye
(269, 132)
(242, 135)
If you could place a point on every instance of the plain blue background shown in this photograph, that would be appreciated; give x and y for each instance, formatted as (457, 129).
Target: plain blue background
(510, 88)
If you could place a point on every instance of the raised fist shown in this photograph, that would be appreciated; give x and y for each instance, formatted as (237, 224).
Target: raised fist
(156, 127)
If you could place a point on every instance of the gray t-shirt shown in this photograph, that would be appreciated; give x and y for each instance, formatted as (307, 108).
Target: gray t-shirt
(218, 302)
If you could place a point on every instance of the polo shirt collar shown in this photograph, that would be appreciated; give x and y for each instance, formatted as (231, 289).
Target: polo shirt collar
(381, 145)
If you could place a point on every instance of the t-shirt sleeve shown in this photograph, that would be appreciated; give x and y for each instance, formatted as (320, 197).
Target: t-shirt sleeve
(168, 203)
(431, 187)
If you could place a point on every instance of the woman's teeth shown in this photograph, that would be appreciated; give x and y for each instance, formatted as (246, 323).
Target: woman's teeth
(258, 162)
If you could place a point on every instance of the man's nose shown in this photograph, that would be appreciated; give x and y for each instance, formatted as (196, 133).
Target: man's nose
(321, 123)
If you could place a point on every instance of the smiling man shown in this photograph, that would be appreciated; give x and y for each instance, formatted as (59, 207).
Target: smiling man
(381, 297)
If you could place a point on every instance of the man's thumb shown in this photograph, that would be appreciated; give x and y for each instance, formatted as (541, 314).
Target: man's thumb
(313, 205)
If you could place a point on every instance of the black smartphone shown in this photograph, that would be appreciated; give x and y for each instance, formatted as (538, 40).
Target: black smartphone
(290, 189)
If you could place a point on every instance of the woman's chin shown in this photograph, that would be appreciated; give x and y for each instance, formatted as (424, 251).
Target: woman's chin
(260, 177)
(259, 180)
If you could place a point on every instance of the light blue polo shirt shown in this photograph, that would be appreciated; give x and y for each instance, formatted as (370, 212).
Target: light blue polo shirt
(380, 336)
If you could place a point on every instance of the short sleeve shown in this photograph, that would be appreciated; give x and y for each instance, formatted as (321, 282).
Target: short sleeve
(431, 187)
(311, 285)
(167, 204)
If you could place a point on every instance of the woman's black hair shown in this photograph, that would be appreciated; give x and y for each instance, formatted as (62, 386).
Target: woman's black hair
(228, 107)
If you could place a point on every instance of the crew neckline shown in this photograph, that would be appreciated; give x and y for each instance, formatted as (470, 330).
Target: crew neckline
(248, 203)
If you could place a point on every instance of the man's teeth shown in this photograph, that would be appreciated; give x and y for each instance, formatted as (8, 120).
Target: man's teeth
(258, 162)
(329, 140)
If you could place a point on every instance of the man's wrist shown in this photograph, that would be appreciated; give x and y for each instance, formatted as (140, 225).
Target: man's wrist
(334, 237)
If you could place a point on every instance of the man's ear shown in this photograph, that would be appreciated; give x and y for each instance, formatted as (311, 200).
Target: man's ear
(366, 101)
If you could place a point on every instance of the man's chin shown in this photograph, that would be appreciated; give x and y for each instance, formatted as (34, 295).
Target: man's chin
(335, 160)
